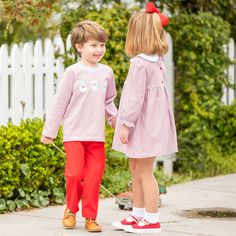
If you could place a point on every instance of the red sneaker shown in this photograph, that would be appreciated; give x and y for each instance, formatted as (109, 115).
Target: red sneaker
(127, 222)
(144, 227)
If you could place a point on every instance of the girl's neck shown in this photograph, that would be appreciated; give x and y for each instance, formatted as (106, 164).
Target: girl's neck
(153, 57)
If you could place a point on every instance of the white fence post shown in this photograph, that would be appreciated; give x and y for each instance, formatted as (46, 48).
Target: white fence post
(28, 82)
(60, 48)
(229, 94)
(38, 79)
(49, 75)
(231, 71)
(168, 159)
(16, 97)
(4, 72)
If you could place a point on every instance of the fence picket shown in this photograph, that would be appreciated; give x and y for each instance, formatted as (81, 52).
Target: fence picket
(28, 82)
(231, 72)
(16, 95)
(4, 89)
(38, 79)
(49, 75)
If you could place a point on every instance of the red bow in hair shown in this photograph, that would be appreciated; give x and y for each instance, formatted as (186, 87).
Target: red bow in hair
(151, 8)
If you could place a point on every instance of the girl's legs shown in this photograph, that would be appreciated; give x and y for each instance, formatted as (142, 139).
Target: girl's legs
(144, 170)
(138, 197)
(143, 181)
(145, 194)
(145, 188)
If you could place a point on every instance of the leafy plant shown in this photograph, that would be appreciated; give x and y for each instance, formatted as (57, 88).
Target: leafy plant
(201, 118)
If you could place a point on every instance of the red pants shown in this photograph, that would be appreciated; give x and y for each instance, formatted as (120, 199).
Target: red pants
(85, 164)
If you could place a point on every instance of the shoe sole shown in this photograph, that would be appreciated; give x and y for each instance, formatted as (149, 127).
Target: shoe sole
(69, 227)
(119, 226)
(94, 231)
(143, 231)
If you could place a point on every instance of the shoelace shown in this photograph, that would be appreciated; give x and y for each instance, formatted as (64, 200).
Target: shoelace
(69, 213)
(92, 221)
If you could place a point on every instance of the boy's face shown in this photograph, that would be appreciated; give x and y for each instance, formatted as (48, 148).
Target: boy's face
(91, 52)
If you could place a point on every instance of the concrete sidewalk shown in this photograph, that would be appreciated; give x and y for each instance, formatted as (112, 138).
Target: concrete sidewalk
(211, 192)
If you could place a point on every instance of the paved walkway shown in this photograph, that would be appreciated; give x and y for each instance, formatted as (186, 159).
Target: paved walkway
(211, 192)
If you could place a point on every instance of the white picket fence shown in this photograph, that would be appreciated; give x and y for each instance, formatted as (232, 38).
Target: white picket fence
(29, 75)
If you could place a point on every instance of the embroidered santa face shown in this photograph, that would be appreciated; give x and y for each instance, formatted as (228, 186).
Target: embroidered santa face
(82, 86)
(94, 85)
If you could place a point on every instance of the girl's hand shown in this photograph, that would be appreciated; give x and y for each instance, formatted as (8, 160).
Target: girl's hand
(46, 140)
(113, 123)
(124, 134)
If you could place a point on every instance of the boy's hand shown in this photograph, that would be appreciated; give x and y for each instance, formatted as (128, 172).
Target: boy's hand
(46, 140)
(113, 123)
(124, 134)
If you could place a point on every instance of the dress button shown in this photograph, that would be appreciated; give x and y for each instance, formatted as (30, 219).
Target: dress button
(162, 81)
(160, 68)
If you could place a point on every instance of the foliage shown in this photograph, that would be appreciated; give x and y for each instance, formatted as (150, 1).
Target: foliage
(22, 20)
(203, 123)
(31, 174)
(223, 8)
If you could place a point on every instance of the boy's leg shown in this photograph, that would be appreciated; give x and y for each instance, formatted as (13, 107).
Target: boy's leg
(74, 171)
(93, 171)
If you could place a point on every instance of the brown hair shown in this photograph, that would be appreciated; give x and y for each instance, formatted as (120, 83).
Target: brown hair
(86, 30)
(145, 35)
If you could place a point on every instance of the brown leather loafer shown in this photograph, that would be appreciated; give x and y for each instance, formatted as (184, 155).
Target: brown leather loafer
(92, 226)
(69, 219)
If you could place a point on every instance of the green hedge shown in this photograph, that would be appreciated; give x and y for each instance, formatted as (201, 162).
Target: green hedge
(206, 128)
(31, 174)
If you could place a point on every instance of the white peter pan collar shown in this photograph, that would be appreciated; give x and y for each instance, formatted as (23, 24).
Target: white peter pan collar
(152, 58)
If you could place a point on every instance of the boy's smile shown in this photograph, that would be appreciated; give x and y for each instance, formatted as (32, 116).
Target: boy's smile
(91, 51)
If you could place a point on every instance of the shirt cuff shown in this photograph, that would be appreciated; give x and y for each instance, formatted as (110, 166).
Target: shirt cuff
(127, 123)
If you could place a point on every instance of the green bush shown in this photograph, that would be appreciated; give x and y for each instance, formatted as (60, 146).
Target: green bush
(206, 128)
(31, 174)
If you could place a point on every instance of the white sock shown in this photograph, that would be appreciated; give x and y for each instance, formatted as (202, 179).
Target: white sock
(152, 217)
(138, 212)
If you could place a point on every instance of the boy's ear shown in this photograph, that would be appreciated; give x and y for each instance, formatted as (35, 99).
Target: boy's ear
(78, 47)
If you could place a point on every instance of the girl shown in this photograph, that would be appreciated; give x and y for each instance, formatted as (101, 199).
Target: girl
(85, 95)
(145, 125)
